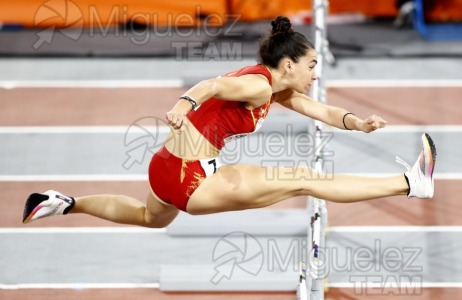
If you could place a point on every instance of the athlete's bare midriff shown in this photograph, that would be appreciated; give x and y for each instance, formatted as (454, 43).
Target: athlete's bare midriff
(190, 144)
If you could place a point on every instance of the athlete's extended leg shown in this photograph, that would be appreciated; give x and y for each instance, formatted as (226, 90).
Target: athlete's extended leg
(116, 208)
(238, 187)
(126, 210)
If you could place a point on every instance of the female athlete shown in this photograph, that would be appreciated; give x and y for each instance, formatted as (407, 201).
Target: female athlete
(185, 174)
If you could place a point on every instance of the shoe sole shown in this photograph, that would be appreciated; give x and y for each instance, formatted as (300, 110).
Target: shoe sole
(32, 206)
(430, 159)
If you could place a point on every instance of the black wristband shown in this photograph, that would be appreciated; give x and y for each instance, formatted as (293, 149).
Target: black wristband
(344, 116)
(191, 100)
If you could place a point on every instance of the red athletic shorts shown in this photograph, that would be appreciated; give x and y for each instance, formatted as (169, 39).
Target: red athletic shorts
(174, 179)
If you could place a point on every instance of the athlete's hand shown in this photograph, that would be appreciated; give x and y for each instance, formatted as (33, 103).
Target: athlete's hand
(372, 123)
(178, 121)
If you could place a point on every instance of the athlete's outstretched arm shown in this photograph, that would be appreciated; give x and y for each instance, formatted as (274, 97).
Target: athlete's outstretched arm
(245, 88)
(328, 114)
(251, 88)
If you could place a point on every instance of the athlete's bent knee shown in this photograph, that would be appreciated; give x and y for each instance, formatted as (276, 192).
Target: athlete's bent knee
(156, 225)
(153, 222)
(159, 221)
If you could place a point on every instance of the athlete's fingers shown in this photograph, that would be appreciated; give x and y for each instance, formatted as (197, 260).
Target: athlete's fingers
(382, 122)
(374, 122)
(180, 125)
(178, 121)
(378, 122)
(174, 119)
(183, 125)
(169, 117)
(177, 125)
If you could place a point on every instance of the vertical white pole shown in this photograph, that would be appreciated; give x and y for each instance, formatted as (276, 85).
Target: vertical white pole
(319, 210)
(320, 8)
(311, 285)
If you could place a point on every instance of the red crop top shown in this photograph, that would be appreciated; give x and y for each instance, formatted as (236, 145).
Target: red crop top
(220, 121)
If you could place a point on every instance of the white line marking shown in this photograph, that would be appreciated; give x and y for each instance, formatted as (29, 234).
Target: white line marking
(14, 84)
(437, 176)
(77, 129)
(421, 128)
(338, 229)
(144, 177)
(407, 129)
(47, 230)
(73, 177)
(448, 176)
(393, 83)
(172, 83)
(424, 285)
(79, 286)
(166, 129)
(356, 229)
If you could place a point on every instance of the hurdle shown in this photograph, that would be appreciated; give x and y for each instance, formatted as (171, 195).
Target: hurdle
(311, 277)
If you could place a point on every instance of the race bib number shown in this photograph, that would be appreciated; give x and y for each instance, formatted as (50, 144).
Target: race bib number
(259, 124)
(210, 165)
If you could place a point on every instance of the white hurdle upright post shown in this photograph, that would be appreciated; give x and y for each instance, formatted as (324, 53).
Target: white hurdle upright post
(318, 209)
(312, 271)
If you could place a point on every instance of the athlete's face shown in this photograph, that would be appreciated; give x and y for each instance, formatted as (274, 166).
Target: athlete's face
(304, 72)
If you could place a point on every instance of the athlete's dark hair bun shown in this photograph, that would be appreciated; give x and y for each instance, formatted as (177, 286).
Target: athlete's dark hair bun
(281, 25)
(282, 41)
